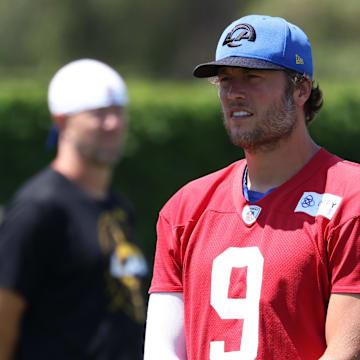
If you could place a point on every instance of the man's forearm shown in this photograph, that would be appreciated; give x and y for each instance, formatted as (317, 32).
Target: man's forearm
(12, 307)
(165, 334)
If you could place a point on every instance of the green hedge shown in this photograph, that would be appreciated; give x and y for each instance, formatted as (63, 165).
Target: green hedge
(176, 134)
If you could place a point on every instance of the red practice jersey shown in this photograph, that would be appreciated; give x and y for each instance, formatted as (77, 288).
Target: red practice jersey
(257, 277)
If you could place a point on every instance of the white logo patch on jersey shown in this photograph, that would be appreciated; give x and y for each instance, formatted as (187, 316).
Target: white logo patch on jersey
(315, 204)
(250, 213)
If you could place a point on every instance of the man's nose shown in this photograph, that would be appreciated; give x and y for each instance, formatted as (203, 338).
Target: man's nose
(112, 121)
(237, 89)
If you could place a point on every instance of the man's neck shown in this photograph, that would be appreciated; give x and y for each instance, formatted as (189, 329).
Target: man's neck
(269, 169)
(92, 178)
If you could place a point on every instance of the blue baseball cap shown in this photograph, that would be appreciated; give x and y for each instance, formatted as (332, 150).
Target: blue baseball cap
(261, 42)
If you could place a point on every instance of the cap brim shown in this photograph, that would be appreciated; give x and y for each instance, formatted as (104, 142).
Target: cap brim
(211, 69)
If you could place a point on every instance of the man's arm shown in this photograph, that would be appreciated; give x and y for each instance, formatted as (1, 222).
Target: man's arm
(12, 307)
(343, 328)
(165, 335)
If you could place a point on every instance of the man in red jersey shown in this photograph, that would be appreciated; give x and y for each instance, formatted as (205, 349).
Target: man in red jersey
(260, 260)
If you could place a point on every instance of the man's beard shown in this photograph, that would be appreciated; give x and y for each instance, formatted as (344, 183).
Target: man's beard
(276, 124)
(100, 156)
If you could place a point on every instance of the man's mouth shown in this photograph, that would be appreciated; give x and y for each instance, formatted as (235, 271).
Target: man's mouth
(240, 113)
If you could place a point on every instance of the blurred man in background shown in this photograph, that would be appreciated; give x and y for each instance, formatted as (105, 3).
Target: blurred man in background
(260, 260)
(70, 273)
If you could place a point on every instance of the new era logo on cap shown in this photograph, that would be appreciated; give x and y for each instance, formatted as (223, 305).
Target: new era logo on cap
(261, 42)
(299, 59)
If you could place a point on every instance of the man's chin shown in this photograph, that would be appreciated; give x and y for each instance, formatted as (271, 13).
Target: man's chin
(104, 158)
(107, 159)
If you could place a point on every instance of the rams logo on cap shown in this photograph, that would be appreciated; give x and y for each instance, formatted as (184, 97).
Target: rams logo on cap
(247, 33)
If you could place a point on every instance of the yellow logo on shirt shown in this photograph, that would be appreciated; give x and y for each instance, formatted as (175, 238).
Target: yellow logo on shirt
(127, 265)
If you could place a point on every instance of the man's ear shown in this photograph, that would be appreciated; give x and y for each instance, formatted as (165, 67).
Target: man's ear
(59, 121)
(302, 92)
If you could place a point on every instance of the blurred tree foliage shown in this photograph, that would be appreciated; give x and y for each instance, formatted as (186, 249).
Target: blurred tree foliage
(160, 37)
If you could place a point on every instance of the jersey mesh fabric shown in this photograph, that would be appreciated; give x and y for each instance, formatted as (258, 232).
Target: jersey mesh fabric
(289, 261)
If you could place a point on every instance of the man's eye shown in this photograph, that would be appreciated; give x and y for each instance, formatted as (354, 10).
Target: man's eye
(224, 79)
(253, 76)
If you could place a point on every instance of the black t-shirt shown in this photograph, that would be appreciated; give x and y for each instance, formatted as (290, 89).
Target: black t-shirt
(74, 260)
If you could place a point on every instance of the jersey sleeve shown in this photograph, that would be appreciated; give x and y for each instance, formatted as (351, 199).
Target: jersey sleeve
(344, 257)
(167, 275)
(21, 248)
(176, 223)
